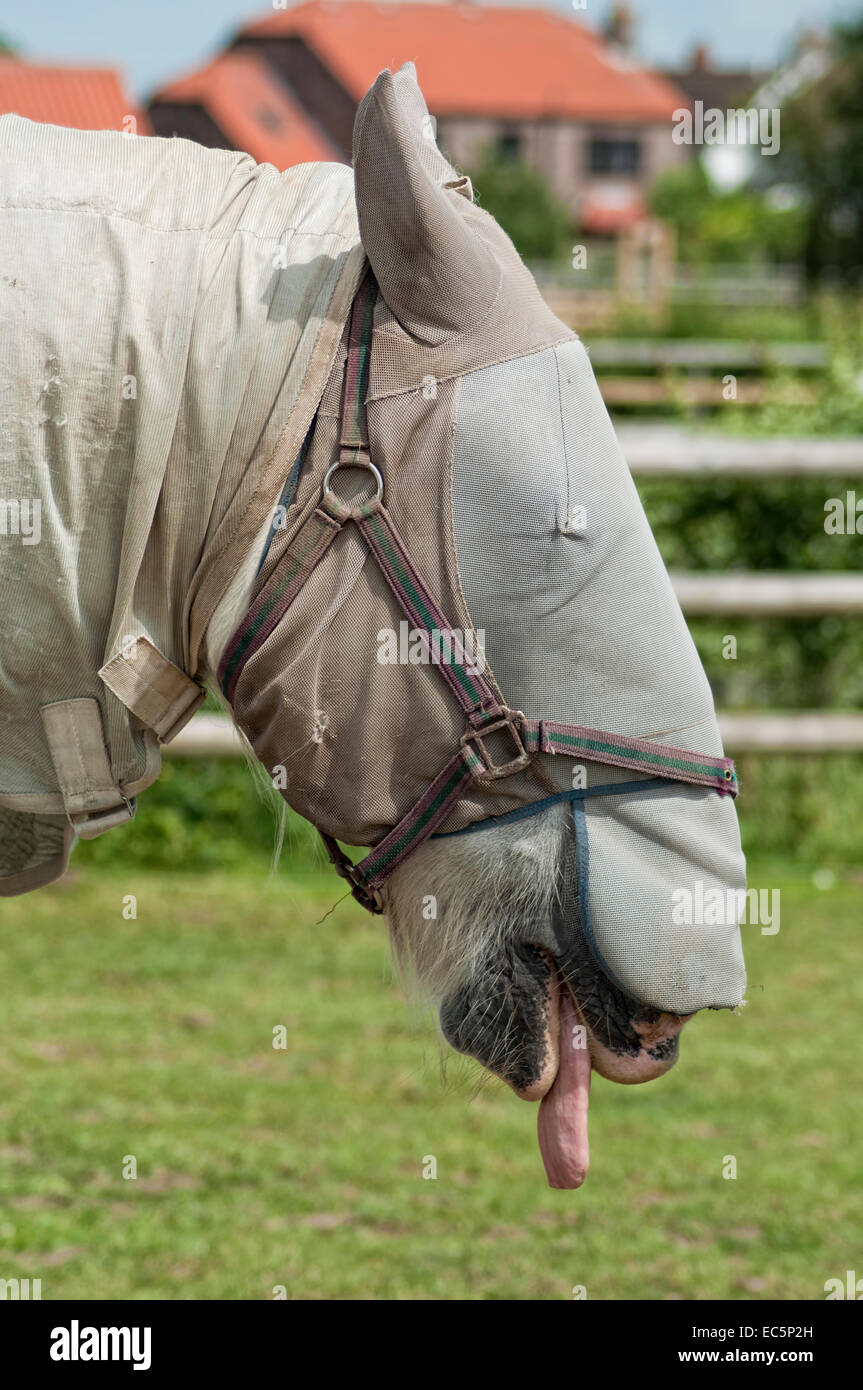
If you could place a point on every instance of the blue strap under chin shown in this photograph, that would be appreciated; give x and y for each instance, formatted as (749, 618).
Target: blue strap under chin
(582, 842)
(582, 794)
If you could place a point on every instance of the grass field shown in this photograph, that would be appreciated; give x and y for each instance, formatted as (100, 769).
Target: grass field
(302, 1167)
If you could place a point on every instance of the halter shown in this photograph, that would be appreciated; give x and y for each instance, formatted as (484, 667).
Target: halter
(484, 715)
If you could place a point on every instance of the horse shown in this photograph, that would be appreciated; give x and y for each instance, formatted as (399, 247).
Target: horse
(314, 440)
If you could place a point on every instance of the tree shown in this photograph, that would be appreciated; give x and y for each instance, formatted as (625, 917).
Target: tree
(539, 224)
(822, 151)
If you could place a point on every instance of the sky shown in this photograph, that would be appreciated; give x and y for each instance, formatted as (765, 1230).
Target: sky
(160, 39)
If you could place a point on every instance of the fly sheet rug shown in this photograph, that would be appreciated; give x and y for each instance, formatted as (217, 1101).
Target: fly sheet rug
(168, 319)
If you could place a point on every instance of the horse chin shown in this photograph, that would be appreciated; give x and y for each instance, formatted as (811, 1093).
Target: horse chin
(506, 1017)
(510, 1020)
(543, 1016)
(656, 1055)
(628, 1042)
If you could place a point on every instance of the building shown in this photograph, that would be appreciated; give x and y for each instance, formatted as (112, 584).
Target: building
(721, 88)
(532, 83)
(84, 98)
(736, 163)
(238, 102)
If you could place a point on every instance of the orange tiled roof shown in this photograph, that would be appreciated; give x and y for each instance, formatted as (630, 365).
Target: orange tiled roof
(84, 98)
(253, 110)
(479, 60)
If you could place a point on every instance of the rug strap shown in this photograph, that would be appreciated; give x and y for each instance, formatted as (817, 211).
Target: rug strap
(92, 799)
(152, 688)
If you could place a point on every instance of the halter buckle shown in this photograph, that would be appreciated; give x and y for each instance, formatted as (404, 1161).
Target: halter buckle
(369, 898)
(510, 720)
(366, 896)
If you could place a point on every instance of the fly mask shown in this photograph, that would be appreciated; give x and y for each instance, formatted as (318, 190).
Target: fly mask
(441, 490)
(435, 730)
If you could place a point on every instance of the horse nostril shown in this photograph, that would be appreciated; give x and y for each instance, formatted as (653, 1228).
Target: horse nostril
(659, 1028)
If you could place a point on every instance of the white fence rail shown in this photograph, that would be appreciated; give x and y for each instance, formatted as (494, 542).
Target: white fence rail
(769, 595)
(666, 451)
(812, 731)
(208, 736)
(693, 353)
(720, 284)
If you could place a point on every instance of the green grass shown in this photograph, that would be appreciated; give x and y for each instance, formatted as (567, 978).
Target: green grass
(303, 1167)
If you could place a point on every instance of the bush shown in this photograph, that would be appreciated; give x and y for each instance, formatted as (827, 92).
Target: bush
(206, 813)
(524, 205)
(739, 226)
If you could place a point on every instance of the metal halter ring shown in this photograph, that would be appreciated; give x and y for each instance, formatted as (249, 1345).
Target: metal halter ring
(367, 465)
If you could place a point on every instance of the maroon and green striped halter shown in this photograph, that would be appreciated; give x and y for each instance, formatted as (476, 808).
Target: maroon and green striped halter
(484, 715)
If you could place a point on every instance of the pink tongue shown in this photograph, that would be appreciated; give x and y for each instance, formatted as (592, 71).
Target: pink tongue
(562, 1123)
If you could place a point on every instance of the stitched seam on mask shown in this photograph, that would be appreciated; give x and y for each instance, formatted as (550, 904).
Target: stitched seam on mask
(452, 548)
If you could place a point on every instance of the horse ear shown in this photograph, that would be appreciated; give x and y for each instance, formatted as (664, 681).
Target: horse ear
(436, 274)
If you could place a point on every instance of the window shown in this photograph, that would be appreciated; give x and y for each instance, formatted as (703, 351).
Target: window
(270, 119)
(610, 155)
(509, 146)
